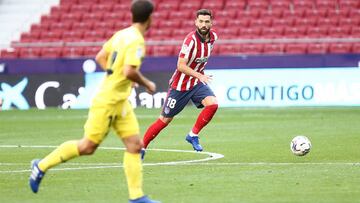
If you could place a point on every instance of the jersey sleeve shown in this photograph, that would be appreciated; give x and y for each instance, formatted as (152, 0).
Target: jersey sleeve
(134, 54)
(108, 45)
(186, 48)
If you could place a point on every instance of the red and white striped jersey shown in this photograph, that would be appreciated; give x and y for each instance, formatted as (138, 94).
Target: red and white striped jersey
(197, 51)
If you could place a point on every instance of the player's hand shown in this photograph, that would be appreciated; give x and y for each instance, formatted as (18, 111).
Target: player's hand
(205, 79)
(151, 87)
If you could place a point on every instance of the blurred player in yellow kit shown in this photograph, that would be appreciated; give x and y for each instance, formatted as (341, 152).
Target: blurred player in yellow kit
(120, 57)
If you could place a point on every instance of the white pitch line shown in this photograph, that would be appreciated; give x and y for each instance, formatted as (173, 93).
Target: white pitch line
(211, 156)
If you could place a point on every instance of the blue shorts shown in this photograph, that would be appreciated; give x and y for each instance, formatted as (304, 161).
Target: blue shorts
(177, 100)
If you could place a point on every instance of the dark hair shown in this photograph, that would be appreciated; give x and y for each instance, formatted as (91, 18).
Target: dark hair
(141, 10)
(204, 12)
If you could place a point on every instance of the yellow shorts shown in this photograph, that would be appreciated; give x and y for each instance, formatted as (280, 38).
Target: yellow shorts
(120, 117)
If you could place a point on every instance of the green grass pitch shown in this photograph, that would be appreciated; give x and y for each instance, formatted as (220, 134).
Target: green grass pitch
(257, 165)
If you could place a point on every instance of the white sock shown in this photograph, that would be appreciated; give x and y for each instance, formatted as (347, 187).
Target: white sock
(192, 134)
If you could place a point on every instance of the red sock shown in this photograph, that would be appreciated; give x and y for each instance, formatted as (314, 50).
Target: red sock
(204, 118)
(153, 131)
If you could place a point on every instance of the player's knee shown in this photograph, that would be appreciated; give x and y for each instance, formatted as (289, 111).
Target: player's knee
(213, 107)
(87, 148)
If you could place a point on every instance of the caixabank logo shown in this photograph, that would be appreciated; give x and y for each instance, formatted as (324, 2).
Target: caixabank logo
(65, 91)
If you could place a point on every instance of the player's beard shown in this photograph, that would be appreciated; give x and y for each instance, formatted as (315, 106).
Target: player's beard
(203, 32)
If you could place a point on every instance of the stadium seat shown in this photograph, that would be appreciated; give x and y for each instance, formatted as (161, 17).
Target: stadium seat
(356, 48)
(30, 52)
(236, 5)
(190, 5)
(251, 49)
(307, 21)
(280, 5)
(249, 33)
(91, 51)
(295, 32)
(352, 4)
(180, 15)
(338, 32)
(317, 48)
(274, 48)
(340, 48)
(258, 5)
(72, 51)
(317, 32)
(272, 32)
(228, 49)
(296, 48)
(299, 13)
(163, 51)
(330, 21)
(9, 54)
(286, 21)
(303, 4)
(50, 52)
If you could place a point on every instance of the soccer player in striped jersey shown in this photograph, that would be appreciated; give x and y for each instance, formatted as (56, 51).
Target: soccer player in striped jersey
(190, 83)
(121, 57)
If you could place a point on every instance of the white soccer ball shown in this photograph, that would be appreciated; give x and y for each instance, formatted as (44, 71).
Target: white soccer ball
(300, 145)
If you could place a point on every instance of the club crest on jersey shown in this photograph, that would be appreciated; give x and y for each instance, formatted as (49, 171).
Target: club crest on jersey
(185, 49)
(201, 60)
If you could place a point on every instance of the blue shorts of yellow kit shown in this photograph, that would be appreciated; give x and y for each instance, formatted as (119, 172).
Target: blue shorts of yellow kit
(120, 117)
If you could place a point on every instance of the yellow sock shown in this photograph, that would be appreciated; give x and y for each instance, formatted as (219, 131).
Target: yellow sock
(133, 173)
(64, 152)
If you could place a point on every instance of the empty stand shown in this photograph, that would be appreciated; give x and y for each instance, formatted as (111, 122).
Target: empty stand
(96, 20)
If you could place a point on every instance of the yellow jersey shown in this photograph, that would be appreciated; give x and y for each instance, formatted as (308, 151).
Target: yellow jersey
(125, 47)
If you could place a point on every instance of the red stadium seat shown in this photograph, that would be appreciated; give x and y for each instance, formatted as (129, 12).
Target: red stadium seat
(174, 24)
(340, 48)
(94, 35)
(273, 13)
(61, 26)
(225, 14)
(356, 48)
(338, 32)
(274, 48)
(249, 33)
(236, 5)
(261, 22)
(228, 49)
(9, 54)
(190, 5)
(286, 21)
(51, 52)
(295, 48)
(307, 21)
(241, 23)
(317, 13)
(330, 21)
(160, 15)
(327, 4)
(295, 32)
(30, 52)
(91, 51)
(299, 13)
(280, 4)
(168, 5)
(251, 49)
(344, 12)
(72, 51)
(72, 36)
(258, 5)
(349, 4)
(167, 50)
(180, 15)
(317, 32)
(103, 8)
(301, 4)
(317, 48)
(272, 32)
(80, 8)
(352, 21)
(220, 23)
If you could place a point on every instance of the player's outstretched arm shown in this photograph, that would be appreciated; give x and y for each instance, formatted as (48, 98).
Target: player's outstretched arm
(135, 75)
(182, 67)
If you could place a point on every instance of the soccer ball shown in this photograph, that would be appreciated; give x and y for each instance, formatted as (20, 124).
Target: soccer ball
(300, 145)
